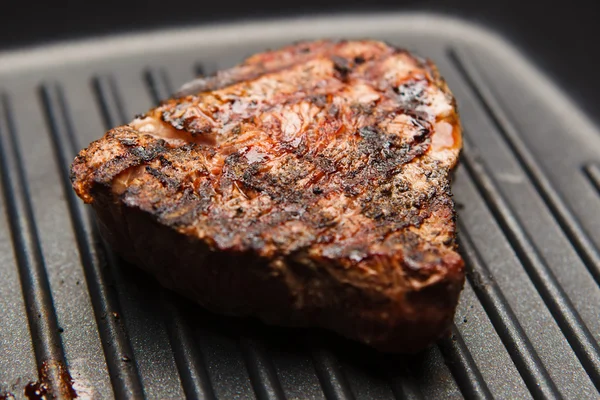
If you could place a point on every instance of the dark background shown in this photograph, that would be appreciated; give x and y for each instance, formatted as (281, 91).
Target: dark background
(562, 39)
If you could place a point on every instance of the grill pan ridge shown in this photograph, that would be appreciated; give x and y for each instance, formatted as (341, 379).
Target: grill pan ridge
(75, 317)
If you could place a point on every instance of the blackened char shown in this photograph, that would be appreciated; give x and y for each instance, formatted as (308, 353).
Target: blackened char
(308, 186)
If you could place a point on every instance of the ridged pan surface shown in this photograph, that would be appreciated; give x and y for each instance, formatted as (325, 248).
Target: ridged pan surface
(75, 316)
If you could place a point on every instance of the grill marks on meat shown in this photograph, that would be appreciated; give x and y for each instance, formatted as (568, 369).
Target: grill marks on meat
(307, 186)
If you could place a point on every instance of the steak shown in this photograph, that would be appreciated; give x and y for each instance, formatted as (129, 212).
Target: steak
(307, 186)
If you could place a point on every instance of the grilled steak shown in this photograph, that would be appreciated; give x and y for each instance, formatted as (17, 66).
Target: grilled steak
(308, 186)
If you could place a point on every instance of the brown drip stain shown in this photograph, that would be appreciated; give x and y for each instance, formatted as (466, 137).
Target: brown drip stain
(36, 390)
(43, 390)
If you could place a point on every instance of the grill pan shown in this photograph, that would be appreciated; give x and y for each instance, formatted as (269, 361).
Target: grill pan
(76, 317)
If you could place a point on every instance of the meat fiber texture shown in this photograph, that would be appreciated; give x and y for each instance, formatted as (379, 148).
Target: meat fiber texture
(307, 186)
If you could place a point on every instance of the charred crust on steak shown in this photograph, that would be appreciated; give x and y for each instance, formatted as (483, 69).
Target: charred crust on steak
(307, 186)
